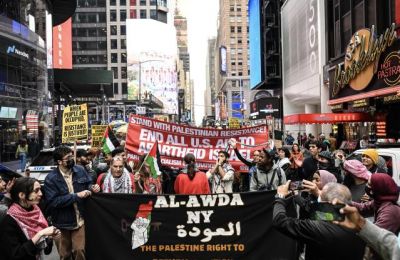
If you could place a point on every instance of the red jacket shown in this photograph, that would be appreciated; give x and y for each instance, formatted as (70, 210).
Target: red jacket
(199, 184)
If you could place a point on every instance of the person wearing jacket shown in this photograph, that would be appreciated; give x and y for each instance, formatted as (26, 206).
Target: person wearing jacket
(268, 176)
(221, 175)
(316, 234)
(383, 242)
(65, 189)
(24, 231)
(356, 178)
(370, 158)
(191, 180)
(384, 193)
(283, 159)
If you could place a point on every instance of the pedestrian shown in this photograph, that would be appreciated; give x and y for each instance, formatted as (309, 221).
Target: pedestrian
(117, 179)
(82, 160)
(332, 141)
(296, 160)
(221, 175)
(356, 178)
(24, 231)
(191, 180)
(22, 153)
(310, 164)
(144, 181)
(364, 142)
(370, 159)
(283, 159)
(66, 188)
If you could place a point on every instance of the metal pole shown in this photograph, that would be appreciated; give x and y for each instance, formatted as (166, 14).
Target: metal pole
(140, 83)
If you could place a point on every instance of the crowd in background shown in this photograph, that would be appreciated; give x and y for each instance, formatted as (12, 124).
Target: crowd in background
(302, 174)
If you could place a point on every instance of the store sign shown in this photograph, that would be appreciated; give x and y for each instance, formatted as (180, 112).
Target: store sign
(360, 103)
(361, 55)
(389, 70)
(391, 99)
(11, 49)
(337, 108)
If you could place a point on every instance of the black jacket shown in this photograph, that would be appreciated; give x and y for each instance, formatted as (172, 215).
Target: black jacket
(324, 240)
(14, 244)
(310, 166)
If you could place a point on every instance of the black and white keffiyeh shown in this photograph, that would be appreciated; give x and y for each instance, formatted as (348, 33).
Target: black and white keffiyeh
(122, 184)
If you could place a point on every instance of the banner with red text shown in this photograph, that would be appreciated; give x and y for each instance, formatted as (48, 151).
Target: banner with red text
(175, 141)
(212, 226)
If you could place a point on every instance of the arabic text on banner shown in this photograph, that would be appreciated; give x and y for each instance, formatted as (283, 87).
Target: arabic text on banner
(75, 123)
(212, 226)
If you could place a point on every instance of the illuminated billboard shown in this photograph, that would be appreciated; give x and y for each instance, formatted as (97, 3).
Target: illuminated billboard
(222, 56)
(256, 67)
(62, 45)
(152, 52)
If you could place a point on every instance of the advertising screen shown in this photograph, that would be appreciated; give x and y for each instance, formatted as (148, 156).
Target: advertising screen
(8, 112)
(151, 62)
(255, 43)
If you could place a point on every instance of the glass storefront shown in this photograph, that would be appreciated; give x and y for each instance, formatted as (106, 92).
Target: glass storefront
(24, 96)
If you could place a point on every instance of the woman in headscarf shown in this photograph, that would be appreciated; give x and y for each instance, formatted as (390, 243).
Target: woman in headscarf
(24, 231)
(191, 180)
(320, 179)
(356, 178)
(384, 193)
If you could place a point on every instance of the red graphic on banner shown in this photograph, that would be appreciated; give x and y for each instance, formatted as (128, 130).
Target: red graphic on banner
(62, 45)
(175, 141)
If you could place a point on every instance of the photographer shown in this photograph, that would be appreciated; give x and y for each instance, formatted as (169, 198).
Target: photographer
(221, 175)
(268, 176)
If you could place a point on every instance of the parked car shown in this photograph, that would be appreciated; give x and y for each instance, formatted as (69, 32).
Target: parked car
(43, 163)
(392, 158)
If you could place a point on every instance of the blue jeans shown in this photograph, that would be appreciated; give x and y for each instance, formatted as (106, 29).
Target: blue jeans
(22, 162)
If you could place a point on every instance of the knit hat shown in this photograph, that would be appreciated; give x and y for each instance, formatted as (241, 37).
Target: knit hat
(325, 154)
(357, 169)
(371, 153)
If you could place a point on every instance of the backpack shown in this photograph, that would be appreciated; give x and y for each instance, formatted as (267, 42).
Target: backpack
(269, 185)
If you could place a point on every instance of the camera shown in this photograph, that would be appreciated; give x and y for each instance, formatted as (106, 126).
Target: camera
(266, 187)
(296, 185)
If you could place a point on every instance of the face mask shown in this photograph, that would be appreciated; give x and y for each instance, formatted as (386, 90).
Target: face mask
(70, 163)
(323, 166)
(368, 191)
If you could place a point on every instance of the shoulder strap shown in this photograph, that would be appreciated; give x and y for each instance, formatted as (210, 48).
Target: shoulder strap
(273, 177)
(255, 174)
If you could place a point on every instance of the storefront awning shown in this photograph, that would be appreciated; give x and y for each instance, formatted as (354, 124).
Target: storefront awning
(327, 118)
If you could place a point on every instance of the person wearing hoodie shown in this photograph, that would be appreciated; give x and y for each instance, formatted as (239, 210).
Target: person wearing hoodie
(327, 162)
(191, 180)
(356, 178)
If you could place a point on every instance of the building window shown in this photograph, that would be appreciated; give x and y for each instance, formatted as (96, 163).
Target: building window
(115, 72)
(114, 58)
(153, 2)
(115, 88)
(123, 29)
(123, 43)
(153, 14)
(232, 29)
(122, 15)
(143, 2)
(239, 29)
(124, 88)
(123, 57)
(113, 15)
(113, 2)
(113, 30)
(133, 14)
(143, 14)
(123, 73)
(114, 44)
(122, 2)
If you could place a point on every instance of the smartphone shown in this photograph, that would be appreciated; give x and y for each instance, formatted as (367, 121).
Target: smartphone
(326, 211)
(296, 185)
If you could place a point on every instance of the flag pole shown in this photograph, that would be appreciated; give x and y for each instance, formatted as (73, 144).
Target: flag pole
(156, 143)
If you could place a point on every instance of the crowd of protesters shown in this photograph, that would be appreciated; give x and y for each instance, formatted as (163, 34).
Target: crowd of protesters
(306, 174)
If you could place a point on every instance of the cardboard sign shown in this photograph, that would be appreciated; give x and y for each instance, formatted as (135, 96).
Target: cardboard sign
(75, 123)
(97, 134)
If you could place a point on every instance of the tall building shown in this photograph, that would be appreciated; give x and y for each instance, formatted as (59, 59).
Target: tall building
(99, 42)
(211, 70)
(180, 23)
(232, 81)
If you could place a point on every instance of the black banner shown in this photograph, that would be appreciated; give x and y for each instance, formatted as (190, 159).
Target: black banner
(213, 226)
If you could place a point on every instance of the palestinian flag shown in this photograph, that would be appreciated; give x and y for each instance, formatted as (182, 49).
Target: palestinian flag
(151, 160)
(110, 142)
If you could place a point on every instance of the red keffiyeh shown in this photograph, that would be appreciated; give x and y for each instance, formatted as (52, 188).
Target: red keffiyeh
(30, 222)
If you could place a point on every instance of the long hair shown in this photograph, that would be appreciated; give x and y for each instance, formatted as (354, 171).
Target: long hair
(190, 161)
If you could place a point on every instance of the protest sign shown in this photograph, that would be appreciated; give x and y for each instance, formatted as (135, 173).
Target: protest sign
(75, 123)
(97, 134)
(212, 226)
(175, 141)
